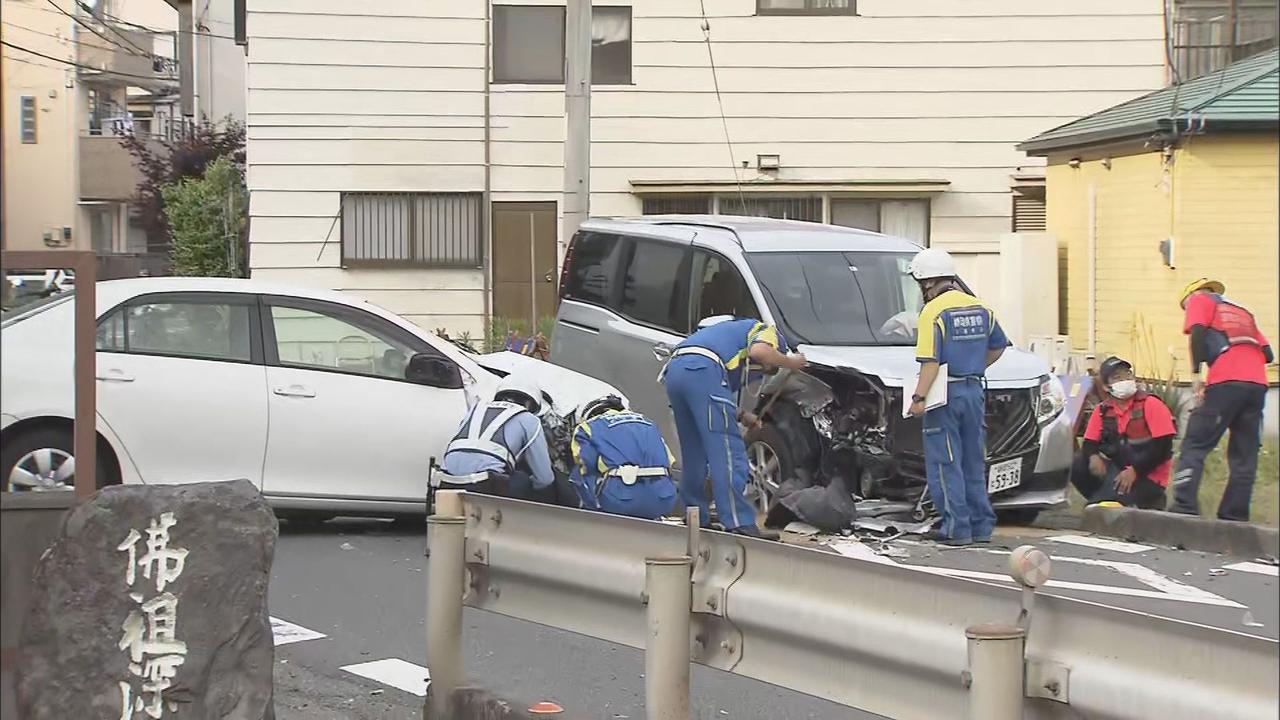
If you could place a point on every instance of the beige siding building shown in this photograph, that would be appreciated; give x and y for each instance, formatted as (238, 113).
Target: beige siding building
(377, 134)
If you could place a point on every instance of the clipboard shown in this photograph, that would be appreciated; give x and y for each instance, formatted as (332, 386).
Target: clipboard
(935, 398)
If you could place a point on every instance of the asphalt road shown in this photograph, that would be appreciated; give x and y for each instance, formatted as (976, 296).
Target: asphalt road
(362, 585)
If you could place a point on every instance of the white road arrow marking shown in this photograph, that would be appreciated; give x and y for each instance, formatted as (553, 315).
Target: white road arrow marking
(1101, 543)
(1254, 567)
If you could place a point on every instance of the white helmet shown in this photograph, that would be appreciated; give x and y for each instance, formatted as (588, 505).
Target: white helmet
(521, 389)
(599, 406)
(932, 263)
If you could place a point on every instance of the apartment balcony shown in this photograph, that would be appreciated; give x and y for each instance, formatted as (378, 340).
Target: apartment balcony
(107, 171)
(121, 56)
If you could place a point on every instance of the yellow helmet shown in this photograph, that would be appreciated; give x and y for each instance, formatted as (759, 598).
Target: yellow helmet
(1212, 286)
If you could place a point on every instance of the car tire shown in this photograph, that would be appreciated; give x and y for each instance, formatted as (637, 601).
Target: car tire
(1017, 516)
(22, 452)
(767, 445)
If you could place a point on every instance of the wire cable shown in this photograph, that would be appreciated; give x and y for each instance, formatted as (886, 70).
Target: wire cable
(94, 30)
(82, 66)
(112, 28)
(724, 121)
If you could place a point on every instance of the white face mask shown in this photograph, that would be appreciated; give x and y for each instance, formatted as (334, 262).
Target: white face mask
(1124, 389)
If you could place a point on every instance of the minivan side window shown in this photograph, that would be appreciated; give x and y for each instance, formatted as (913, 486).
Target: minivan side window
(593, 267)
(653, 288)
(718, 289)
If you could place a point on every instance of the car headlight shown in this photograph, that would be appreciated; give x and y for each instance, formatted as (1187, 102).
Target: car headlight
(1053, 398)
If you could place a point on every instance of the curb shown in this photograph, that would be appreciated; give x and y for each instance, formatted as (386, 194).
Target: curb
(1183, 531)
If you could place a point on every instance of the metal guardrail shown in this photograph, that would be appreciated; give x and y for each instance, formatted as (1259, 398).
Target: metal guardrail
(883, 638)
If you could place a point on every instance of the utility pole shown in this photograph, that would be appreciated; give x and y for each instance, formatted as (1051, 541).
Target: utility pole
(577, 106)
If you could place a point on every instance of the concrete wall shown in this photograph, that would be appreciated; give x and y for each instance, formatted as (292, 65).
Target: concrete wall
(1216, 197)
(392, 98)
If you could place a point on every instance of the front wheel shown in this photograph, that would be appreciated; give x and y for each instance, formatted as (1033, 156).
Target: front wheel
(770, 463)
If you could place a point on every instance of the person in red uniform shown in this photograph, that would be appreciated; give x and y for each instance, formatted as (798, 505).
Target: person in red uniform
(1127, 452)
(1225, 337)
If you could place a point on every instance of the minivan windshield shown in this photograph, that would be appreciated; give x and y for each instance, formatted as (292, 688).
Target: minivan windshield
(840, 298)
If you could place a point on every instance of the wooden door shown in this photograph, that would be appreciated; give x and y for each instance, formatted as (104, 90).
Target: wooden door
(525, 271)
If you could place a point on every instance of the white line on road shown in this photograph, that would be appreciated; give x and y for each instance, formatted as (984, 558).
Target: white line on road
(1101, 543)
(1254, 567)
(286, 632)
(395, 672)
(1163, 588)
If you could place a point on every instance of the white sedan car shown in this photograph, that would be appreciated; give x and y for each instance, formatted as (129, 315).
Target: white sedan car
(303, 392)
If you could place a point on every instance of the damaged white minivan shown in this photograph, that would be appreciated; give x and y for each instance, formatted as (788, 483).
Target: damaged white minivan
(633, 288)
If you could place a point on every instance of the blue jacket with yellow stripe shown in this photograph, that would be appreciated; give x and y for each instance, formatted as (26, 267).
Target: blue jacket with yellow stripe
(731, 341)
(610, 441)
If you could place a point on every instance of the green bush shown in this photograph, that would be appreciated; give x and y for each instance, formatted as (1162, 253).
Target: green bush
(206, 217)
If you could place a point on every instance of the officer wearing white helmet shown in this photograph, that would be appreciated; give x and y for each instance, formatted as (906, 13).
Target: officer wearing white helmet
(500, 448)
(958, 331)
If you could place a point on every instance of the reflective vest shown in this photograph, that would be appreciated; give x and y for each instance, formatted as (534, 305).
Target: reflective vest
(1137, 428)
(479, 432)
(1231, 325)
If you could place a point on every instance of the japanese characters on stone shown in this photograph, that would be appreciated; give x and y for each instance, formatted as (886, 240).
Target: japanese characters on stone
(150, 632)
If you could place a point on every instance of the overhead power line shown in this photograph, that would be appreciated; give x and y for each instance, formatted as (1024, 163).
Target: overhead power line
(8, 44)
(132, 51)
(112, 28)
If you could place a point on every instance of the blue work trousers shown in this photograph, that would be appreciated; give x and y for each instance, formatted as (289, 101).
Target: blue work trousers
(955, 450)
(706, 420)
(649, 498)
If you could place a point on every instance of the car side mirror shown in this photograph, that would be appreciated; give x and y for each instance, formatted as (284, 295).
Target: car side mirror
(433, 371)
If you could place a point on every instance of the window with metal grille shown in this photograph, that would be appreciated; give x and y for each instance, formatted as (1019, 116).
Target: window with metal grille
(677, 205)
(424, 229)
(1029, 210)
(783, 208)
(806, 7)
(27, 109)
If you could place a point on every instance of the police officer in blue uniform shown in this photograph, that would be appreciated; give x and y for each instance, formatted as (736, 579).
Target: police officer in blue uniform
(958, 331)
(621, 463)
(703, 378)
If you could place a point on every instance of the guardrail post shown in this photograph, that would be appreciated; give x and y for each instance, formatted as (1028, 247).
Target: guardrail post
(446, 580)
(448, 503)
(995, 675)
(666, 655)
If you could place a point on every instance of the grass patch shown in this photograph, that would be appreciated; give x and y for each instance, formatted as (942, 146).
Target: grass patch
(1265, 509)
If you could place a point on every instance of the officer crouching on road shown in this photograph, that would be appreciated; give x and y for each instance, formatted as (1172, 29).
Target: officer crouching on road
(1128, 445)
(622, 464)
(501, 449)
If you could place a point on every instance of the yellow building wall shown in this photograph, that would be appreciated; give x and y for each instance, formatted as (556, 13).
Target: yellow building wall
(1216, 196)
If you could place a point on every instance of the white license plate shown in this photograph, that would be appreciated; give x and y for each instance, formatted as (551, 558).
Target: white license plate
(1004, 475)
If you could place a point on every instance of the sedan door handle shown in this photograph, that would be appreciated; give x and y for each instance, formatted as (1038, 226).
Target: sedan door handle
(114, 375)
(294, 391)
(661, 352)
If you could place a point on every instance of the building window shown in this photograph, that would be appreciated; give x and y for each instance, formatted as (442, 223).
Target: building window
(422, 229)
(806, 7)
(907, 219)
(677, 205)
(807, 208)
(1029, 210)
(1208, 35)
(28, 119)
(528, 44)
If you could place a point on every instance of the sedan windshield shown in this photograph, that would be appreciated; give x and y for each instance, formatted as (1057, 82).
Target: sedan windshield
(841, 298)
